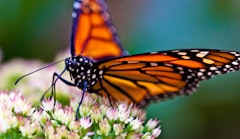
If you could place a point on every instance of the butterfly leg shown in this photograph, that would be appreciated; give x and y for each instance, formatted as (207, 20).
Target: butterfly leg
(109, 97)
(52, 85)
(79, 104)
(110, 100)
(53, 94)
(62, 79)
(54, 80)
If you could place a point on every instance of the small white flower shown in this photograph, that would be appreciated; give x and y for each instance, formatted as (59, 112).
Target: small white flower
(103, 109)
(111, 114)
(88, 100)
(19, 104)
(104, 127)
(90, 133)
(49, 129)
(4, 126)
(122, 136)
(136, 124)
(12, 121)
(22, 106)
(96, 115)
(47, 104)
(133, 135)
(85, 110)
(156, 132)
(151, 124)
(147, 136)
(74, 125)
(29, 129)
(122, 107)
(123, 115)
(62, 131)
(36, 115)
(85, 122)
(65, 115)
(130, 119)
(86, 137)
(73, 135)
(118, 128)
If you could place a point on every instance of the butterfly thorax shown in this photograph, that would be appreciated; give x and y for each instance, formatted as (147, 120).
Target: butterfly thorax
(82, 71)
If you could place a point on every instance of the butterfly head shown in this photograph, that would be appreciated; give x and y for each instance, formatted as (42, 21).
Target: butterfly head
(78, 63)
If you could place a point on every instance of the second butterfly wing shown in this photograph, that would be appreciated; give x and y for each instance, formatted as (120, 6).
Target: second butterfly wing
(93, 34)
(151, 76)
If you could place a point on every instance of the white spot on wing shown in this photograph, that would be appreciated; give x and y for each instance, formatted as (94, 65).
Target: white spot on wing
(83, 77)
(181, 72)
(101, 72)
(200, 74)
(169, 65)
(185, 57)
(93, 76)
(93, 82)
(209, 73)
(76, 5)
(202, 54)
(153, 64)
(235, 53)
(218, 72)
(88, 71)
(194, 50)
(235, 63)
(227, 66)
(180, 68)
(203, 77)
(153, 52)
(74, 14)
(182, 53)
(175, 51)
(213, 68)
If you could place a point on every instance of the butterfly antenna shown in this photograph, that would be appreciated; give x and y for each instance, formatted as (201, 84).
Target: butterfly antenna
(37, 71)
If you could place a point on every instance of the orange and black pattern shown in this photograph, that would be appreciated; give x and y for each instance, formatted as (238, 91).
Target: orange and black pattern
(151, 76)
(93, 34)
(98, 64)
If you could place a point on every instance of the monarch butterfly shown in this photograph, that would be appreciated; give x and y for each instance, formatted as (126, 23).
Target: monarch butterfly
(99, 64)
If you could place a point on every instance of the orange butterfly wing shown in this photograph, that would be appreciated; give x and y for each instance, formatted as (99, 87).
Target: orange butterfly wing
(93, 34)
(145, 77)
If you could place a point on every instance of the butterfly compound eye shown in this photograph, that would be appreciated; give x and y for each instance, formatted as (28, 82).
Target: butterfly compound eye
(75, 64)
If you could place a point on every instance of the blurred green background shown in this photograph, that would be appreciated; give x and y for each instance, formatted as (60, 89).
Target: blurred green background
(41, 29)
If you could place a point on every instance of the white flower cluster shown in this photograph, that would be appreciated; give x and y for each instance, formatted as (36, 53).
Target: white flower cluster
(97, 119)
(15, 113)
